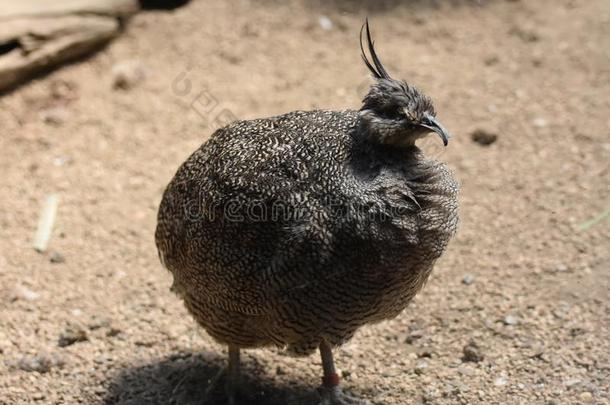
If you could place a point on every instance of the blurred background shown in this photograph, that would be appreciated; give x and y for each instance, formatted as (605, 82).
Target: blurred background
(515, 312)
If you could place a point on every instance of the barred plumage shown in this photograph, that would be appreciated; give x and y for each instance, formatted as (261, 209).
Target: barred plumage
(296, 230)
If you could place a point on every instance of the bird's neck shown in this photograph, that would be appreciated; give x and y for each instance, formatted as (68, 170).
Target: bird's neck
(369, 141)
(371, 128)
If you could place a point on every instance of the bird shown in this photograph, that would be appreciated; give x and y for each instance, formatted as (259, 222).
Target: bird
(295, 231)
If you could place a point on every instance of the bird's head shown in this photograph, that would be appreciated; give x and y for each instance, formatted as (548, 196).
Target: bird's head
(394, 112)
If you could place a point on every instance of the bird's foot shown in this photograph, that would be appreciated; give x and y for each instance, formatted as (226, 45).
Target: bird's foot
(220, 381)
(335, 396)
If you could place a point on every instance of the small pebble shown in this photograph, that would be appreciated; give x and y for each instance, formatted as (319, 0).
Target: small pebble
(62, 160)
(127, 74)
(491, 60)
(585, 396)
(472, 352)
(572, 382)
(424, 354)
(539, 122)
(102, 359)
(36, 363)
(414, 335)
(25, 293)
(511, 320)
(500, 381)
(325, 23)
(40, 363)
(560, 313)
(57, 258)
(468, 279)
(483, 137)
(420, 367)
(72, 335)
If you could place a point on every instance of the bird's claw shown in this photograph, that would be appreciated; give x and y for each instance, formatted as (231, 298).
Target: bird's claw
(335, 396)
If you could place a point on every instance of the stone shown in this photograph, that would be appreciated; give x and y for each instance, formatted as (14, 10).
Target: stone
(472, 352)
(72, 335)
(414, 335)
(325, 23)
(483, 137)
(24, 293)
(41, 363)
(127, 74)
(57, 258)
(572, 382)
(420, 367)
(586, 396)
(540, 122)
(468, 279)
(510, 320)
(500, 381)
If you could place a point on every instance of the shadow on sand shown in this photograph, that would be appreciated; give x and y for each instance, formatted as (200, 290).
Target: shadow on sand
(372, 7)
(183, 379)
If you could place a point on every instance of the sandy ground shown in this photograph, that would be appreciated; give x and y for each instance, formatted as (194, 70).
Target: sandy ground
(92, 320)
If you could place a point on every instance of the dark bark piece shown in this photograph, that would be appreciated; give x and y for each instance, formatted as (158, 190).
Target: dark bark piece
(43, 8)
(36, 36)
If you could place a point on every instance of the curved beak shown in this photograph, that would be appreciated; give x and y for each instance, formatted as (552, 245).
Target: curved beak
(431, 123)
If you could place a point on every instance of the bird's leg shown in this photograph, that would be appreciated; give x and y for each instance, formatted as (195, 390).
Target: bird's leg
(330, 390)
(231, 374)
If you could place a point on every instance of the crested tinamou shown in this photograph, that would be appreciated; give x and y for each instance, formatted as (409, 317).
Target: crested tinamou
(294, 231)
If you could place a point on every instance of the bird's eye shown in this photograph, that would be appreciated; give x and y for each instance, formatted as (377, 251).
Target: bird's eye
(409, 115)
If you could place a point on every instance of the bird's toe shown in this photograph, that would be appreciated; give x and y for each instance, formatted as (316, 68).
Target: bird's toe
(335, 396)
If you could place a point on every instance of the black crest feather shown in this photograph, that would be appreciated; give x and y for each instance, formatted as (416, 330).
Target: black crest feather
(378, 70)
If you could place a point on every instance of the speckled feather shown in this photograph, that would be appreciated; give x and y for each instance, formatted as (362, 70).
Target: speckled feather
(288, 230)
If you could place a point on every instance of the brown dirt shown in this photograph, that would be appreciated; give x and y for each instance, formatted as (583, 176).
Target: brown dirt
(535, 300)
